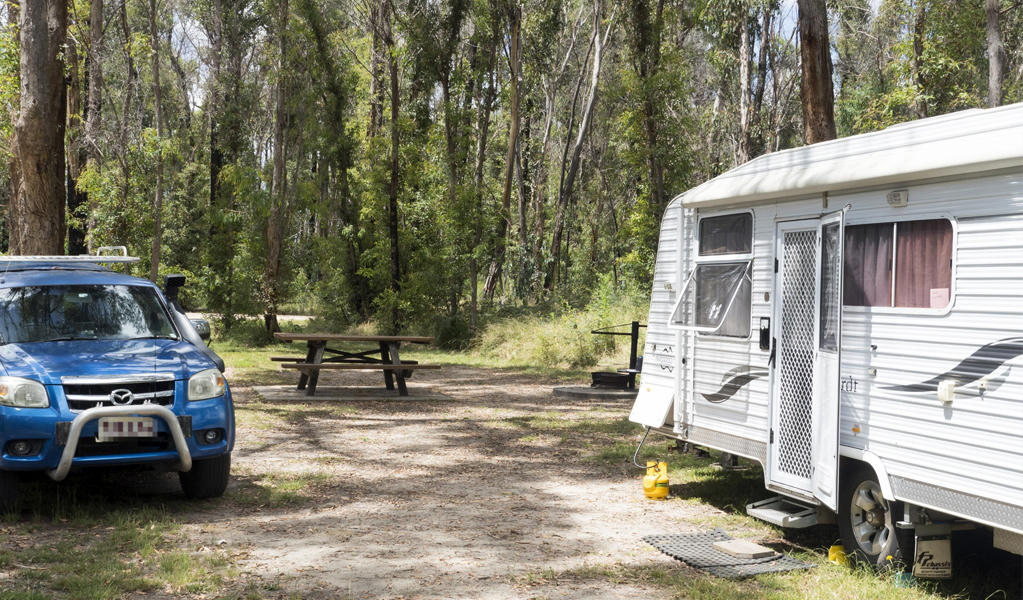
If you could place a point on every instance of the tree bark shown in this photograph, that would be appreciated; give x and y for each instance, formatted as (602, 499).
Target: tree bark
(278, 183)
(817, 93)
(94, 107)
(742, 149)
(37, 210)
(483, 125)
(214, 108)
(646, 45)
(376, 88)
(392, 198)
(13, 17)
(154, 253)
(916, 62)
(132, 81)
(995, 54)
(514, 62)
(76, 155)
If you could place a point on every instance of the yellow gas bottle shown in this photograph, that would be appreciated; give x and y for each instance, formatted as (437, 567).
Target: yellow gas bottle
(655, 483)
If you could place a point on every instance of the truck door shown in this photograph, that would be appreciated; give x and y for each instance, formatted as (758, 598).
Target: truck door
(804, 395)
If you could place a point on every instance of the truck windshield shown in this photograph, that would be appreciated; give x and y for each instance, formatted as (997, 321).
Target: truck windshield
(82, 312)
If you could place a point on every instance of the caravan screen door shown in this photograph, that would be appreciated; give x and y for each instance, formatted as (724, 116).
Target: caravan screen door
(803, 452)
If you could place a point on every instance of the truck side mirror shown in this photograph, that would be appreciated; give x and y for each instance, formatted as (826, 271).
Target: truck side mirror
(202, 327)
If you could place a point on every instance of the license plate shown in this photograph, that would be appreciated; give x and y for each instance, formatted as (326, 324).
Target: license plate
(111, 428)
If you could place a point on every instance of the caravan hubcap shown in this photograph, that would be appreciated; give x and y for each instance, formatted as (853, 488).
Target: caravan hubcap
(870, 517)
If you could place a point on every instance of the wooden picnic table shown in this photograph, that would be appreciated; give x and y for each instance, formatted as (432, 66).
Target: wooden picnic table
(320, 355)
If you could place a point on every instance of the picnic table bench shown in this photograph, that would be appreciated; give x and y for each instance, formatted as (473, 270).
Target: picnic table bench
(320, 355)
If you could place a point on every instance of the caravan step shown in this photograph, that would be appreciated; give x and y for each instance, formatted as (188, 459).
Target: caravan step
(783, 512)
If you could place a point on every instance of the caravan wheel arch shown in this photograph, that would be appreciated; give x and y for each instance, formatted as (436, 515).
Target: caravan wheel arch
(869, 458)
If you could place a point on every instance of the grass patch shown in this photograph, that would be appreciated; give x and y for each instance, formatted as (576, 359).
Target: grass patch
(128, 551)
(825, 581)
(277, 490)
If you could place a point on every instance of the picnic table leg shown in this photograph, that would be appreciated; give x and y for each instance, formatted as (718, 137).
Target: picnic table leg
(398, 373)
(385, 358)
(314, 356)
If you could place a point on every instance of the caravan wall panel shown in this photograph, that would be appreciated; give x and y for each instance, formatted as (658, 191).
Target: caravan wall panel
(661, 349)
(736, 422)
(892, 359)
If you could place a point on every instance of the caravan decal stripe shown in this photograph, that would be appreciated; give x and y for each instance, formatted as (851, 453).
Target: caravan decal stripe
(742, 377)
(979, 364)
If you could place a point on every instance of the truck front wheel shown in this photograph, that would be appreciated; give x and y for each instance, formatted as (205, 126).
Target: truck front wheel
(866, 520)
(207, 478)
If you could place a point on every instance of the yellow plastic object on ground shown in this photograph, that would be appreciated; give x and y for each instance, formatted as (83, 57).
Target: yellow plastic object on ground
(836, 554)
(655, 483)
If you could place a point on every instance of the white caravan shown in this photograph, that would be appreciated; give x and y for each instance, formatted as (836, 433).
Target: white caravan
(849, 315)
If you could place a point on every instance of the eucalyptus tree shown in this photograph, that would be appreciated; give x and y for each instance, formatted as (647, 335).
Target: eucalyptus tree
(817, 87)
(38, 196)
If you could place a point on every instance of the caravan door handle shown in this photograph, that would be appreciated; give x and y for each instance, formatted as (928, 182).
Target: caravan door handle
(770, 359)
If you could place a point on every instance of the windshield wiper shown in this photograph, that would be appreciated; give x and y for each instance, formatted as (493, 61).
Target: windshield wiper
(69, 338)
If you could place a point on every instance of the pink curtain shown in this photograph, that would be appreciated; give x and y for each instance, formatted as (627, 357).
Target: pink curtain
(868, 259)
(923, 270)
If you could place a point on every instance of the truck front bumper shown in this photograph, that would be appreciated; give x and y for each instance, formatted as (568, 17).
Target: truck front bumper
(92, 414)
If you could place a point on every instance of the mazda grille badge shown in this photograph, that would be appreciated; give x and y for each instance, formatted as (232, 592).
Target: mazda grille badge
(122, 397)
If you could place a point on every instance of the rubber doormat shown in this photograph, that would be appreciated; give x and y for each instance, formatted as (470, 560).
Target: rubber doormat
(696, 550)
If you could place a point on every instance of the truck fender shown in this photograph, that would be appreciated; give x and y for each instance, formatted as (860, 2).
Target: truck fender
(875, 463)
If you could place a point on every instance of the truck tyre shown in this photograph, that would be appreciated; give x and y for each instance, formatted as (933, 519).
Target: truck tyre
(207, 478)
(10, 486)
(866, 520)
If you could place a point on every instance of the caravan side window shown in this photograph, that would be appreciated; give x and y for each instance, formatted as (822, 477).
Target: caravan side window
(907, 264)
(717, 299)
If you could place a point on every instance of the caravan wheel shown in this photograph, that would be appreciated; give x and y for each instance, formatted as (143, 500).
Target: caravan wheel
(866, 520)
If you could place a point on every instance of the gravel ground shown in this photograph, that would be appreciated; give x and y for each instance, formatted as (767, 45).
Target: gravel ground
(481, 484)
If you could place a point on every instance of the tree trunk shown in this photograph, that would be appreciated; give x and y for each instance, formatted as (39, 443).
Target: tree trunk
(514, 63)
(647, 49)
(154, 254)
(742, 149)
(817, 93)
(213, 109)
(13, 16)
(565, 193)
(483, 125)
(995, 54)
(37, 210)
(94, 108)
(392, 198)
(916, 63)
(132, 80)
(76, 155)
(278, 184)
(376, 88)
(760, 88)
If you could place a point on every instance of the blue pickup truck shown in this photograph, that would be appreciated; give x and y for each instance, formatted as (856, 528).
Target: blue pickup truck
(99, 370)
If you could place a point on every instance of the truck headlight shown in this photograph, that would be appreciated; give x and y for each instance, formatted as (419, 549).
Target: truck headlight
(23, 393)
(206, 384)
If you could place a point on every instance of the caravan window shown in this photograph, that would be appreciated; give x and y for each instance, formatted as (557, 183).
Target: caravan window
(903, 265)
(727, 234)
(717, 298)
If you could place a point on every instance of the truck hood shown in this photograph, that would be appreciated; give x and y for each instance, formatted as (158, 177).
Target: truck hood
(47, 362)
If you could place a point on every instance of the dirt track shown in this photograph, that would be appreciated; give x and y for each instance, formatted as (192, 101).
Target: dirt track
(487, 490)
